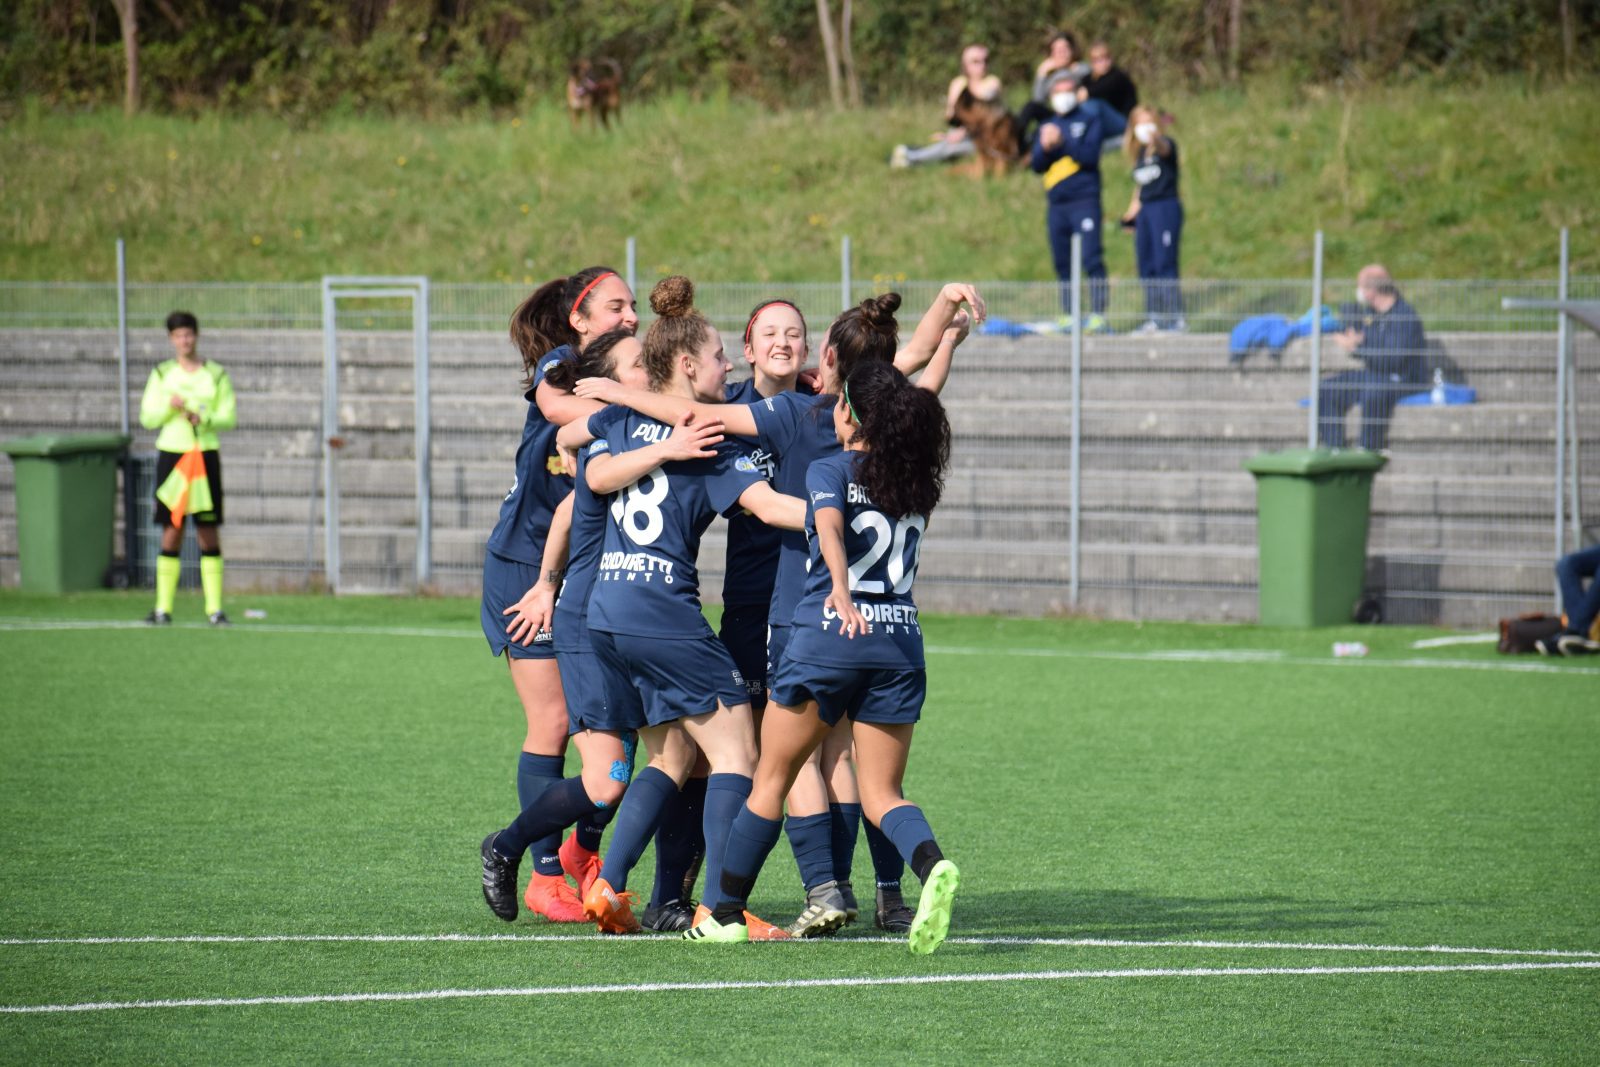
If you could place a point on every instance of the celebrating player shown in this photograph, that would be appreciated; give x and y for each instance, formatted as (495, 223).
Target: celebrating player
(856, 648)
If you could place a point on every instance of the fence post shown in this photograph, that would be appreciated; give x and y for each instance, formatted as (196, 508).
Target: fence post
(844, 273)
(122, 332)
(1574, 439)
(330, 429)
(633, 265)
(1316, 340)
(1561, 415)
(1074, 481)
(424, 436)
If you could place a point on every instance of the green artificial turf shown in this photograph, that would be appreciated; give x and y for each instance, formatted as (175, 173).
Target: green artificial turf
(1129, 792)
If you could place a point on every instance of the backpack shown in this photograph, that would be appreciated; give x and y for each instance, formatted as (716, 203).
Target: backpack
(1519, 634)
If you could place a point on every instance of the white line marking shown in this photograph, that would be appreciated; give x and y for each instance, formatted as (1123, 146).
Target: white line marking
(1459, 639)
(1069, 942)
(797, 983)
(19, 624)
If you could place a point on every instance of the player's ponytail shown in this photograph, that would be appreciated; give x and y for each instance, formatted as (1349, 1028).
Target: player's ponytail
(597, 360)
(541, 322)
(678, 329)
(907, 438)
(867, 332)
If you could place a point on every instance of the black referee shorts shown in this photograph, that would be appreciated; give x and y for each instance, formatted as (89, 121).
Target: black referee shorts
(165, 461)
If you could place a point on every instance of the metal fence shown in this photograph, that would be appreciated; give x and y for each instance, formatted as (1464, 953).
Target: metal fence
(1124, 497)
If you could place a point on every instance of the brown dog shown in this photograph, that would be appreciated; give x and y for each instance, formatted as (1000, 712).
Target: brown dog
(600, 97)
(995, 133)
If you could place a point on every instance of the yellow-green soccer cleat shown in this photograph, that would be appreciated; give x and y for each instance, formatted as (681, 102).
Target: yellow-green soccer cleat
(708, 929)
(932, 923)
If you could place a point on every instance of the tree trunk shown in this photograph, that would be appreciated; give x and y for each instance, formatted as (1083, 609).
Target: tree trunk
(852, 83)
(128, 15)
(1567, 36)
(1235, 17)
(830, 53)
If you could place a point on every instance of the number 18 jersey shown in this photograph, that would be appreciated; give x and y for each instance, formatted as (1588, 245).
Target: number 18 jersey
(882, 552)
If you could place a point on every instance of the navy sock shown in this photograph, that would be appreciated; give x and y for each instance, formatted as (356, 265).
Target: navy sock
(535, 774)
(908, 828)
(887, 866)
(558, 808)
(637, 818)
(680, 842)
(592, 825)
(811, 838)
(750, 839)
(844, 823)
(725, 795)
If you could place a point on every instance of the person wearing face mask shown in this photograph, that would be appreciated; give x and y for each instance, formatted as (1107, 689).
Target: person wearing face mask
(1389, 342)
(955, 143)
(1156, 216)
(1066, 155)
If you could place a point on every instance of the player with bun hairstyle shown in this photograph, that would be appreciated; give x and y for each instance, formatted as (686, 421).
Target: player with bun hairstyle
(667, 674)
(798, 430)
(856, 650)
(555, 321)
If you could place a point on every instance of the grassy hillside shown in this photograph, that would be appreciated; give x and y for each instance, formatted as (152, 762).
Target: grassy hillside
(1437, 182)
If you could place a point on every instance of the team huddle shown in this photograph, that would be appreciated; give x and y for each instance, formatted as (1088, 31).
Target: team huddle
(806, 700)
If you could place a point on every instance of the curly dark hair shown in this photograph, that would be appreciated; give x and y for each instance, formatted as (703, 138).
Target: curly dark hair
(598, 360)
(539, 325)
(907, 438)
(678, 328)
(866, 332)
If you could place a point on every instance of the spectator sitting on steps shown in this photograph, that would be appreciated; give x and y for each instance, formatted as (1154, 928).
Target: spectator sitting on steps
(1579, 606)
(1389, 341)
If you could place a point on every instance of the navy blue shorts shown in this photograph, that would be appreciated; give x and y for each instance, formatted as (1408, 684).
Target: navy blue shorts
(744, 633)
(589, 701)
(660, 681)
(504, 583)
(777, 644)
(867, 694)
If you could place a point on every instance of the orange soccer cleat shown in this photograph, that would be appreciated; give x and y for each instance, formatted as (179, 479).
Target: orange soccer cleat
(611, 911)
(550, 895)
(581, 865)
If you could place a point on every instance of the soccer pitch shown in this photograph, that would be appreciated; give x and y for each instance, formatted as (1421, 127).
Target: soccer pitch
(1178, 843)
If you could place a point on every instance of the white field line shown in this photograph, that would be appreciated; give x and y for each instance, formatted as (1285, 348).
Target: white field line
(1268, 656)
(1064, 942)
(1458, 639)
(796, 983)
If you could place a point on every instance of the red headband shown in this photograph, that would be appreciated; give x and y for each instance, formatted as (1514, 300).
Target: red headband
(578, 303)
(770, 304)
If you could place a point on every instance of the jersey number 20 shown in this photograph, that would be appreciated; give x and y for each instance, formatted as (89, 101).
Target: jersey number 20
(894, 540)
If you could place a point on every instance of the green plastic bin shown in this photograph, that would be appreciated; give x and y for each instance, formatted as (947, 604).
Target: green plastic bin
(1312, 506)
(66, 507)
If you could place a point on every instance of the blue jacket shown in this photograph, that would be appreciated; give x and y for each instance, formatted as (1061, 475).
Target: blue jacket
(1274, 332)
(1071, 170)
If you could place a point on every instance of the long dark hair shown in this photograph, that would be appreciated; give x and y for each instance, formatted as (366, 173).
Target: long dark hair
(596, 361)
(539, 325)
(907, 438)
(867, 332)
(678, 328)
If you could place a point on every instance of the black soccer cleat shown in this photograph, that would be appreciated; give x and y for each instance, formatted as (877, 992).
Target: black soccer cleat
(891, 915)
(158, 618)
(217, 618)
(672, 917)
(499, 880)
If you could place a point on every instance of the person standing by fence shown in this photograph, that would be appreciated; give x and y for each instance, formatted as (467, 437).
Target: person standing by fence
(1156, 214)
(1066, 155)
(1389, 342)
(190, 400)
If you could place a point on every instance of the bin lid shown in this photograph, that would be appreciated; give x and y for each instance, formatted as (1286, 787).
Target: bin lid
(1310, 461)
(64, 444)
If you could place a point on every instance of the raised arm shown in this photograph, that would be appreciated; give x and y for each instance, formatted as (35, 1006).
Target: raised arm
(919, 351)
(938, 369)
(774, 508)
(737, 418)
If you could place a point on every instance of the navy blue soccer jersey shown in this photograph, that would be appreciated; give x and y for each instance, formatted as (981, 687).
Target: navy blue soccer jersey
(647, 583)
(798, 430)
(571, 622)
(1157, 176)
(541, 482)
(882, 552)
(752, 560)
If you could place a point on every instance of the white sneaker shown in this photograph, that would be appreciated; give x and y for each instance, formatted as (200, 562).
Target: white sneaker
(1181, 326)
(899, 159)
(1147, 327)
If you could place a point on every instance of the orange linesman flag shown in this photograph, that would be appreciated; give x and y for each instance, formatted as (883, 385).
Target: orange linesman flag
(187, 489)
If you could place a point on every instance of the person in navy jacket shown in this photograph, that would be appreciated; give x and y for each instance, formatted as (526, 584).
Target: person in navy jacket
(1389, 342)
(1066, 154)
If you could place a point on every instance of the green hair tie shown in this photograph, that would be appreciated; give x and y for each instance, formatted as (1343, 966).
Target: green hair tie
(851, 407)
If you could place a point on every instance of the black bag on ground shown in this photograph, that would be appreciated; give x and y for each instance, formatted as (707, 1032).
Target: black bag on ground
(1520, 633)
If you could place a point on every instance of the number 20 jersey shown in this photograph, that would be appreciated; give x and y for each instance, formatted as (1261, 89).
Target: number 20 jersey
(882, 553)
(647, 583)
